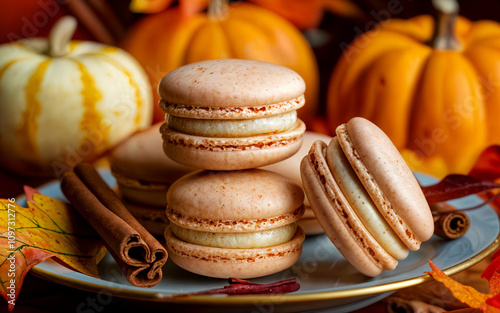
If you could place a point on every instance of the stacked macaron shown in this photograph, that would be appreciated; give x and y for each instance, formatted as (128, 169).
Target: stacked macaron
(365, 197)
(143, 174)
(234, 224)
(231, 114)
(227, 117)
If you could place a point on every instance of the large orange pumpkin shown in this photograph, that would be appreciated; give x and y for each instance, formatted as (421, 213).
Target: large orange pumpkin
(164, 41)
(434, 88)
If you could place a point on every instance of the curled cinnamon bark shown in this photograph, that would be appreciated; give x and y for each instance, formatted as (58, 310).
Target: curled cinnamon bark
(449, 223)
(139, 255)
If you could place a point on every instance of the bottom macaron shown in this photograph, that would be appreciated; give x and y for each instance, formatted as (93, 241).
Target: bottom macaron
(242, 263)
(234, 223)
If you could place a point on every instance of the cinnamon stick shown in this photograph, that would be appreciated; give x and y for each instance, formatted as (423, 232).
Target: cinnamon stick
(449, 223)
(139, 255)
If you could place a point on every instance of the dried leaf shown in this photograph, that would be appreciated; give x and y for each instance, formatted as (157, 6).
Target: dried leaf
(244, 287)
(492, 274)
(493, 304)
(47, 228)
(456, 186)
(494, 283)
(482, 177)
(464, 294)
(491, 269)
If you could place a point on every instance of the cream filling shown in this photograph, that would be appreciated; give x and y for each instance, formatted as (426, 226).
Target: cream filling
(230, 128)
(248, 240)
(361, 202)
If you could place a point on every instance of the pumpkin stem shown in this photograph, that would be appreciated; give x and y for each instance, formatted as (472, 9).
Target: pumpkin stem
(60, 36)
(217, 9)
(444, 37)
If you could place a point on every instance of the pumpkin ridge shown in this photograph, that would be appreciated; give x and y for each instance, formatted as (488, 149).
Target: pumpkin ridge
(489, 82)
(28, 127)
(6, 66)
(133, 84)
(367, 56)
(453, 119)
(402, 107)
(190, 27)
(92, 119)
(262, 29)
(256, 27)
(230, 42)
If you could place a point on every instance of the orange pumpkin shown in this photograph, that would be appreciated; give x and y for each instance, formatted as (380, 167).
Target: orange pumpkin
(432, 86)
(167, 40)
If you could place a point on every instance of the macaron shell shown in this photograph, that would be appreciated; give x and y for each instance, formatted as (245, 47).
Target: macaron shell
(230, 83)
(249, 200)
(337, 218)
(388, 179)
(141, 157)
(241, 263)
(231, 153)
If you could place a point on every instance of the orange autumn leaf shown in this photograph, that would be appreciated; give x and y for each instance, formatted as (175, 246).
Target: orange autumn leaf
(464, 294)
(187, 7)
(46, 228)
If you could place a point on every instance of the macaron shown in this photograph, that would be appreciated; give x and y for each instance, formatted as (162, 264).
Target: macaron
(365, 197)
(143, 174)
(291, 169)
(234, 223)
(231, 114)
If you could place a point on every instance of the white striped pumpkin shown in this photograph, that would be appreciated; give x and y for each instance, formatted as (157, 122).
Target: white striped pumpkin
(65, 101)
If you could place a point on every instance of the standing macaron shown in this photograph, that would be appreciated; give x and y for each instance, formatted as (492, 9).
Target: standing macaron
(231, 114)
(366, 198)
(143, 174)
(234, 223)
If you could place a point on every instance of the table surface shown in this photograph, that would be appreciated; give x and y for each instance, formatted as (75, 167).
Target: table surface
(38, 295)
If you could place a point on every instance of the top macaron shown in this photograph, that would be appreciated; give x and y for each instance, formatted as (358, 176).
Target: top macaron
(231, 114)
